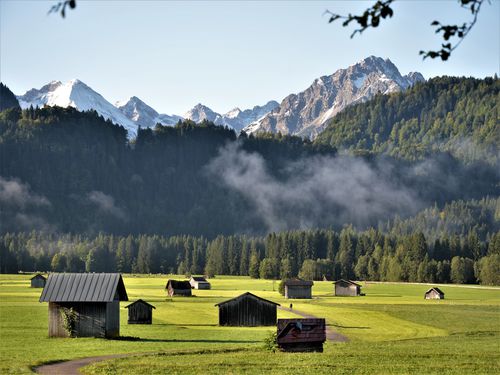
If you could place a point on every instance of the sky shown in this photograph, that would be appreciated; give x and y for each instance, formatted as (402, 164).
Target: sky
(225, 54)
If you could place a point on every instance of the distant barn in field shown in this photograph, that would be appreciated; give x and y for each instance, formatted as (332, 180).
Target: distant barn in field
(247, 310)
(178, 288)
(346, 288)
(199, 282)
(38, 281)
(434, 293)
(298, 289)
(140, 312)
(84, 304)
(301, 335)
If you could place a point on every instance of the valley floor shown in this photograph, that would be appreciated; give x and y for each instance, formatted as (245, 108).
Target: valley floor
(391, 330)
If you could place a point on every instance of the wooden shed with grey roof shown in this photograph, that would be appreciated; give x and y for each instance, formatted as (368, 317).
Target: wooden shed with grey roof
(84, 304)
(140, 312)
(38, 281)
(247, 310)
(178, 288)
(298, 289)
(346, 288)
(434, 293)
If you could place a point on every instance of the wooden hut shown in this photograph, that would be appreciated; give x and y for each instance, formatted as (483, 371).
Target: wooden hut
(84, 304)
(301, 335)
(346, 288)
(178, 288)
(247, 310)
(140, 312)
(38, 281)
(298, 289)
(434, 293)
(199, 282)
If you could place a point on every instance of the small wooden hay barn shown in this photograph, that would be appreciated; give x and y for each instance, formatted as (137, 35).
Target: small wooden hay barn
(90, 301)
(178, 288)
(434, 293)
(298, 289)
(301, 335)
(346, 288)
(38, 281)
(140, 312)
(199, 282)
(247, 310)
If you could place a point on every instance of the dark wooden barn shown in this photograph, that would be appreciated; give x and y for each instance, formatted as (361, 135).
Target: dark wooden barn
(178, 288)
(346, 288)
(301, 335)
(38, 281)
(247, 310)
(84, 304)
(199, 282)
(434, 293)
(140, 312)
(298, 289)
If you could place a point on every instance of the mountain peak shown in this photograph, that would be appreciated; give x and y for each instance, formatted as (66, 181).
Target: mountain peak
(307, 112)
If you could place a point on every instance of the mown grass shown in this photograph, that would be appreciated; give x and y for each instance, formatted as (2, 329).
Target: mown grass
(392, 330)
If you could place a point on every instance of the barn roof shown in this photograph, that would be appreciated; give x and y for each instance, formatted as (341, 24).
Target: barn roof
(436, 289)
(199, 279)
(141, 301)
(347, 282)
(38, 276)
(247, 294)
(298, 283)
(83, 287)
(178, 284)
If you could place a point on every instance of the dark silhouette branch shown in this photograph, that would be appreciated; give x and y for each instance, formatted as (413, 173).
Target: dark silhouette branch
(372, 16)
(61, 7)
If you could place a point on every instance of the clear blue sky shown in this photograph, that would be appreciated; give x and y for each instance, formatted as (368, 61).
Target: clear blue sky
(223, 54)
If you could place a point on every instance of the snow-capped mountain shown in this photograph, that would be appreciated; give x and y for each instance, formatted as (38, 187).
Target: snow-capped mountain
(307, 112)
(143, 115)
(76, 94)
(201, 112)
(235, 118)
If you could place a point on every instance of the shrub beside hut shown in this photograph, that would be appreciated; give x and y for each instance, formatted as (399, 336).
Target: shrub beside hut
(247, 310)
(84, 304)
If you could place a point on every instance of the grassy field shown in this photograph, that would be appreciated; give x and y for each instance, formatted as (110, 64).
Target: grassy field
(392, 330)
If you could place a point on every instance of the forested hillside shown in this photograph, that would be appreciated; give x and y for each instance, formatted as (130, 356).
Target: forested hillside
(460, 115)
(458, 248)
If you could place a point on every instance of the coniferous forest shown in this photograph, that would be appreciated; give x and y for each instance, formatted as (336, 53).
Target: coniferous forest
(403, 187)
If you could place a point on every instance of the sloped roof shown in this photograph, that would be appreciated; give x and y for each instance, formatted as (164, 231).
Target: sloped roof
(178, 284)
(347, 282)
(299, 283)
(83, 287)
(247, 294)
(436, 289)
(38, 276)
(199, 279)
(141, 301)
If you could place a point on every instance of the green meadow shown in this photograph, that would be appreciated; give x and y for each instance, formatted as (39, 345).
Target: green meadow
(391, 330)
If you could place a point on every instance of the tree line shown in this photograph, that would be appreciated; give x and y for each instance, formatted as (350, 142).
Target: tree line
(312, 255)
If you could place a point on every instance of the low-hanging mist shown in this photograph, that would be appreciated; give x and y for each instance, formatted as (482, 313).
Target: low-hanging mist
(332, 191)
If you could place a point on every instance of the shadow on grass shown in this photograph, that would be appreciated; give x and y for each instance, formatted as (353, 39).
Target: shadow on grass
(186, 324)
(138, 339)
(347, 327)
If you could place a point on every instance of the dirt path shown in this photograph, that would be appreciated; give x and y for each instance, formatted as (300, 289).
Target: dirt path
(73, 367)
(330, 334)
